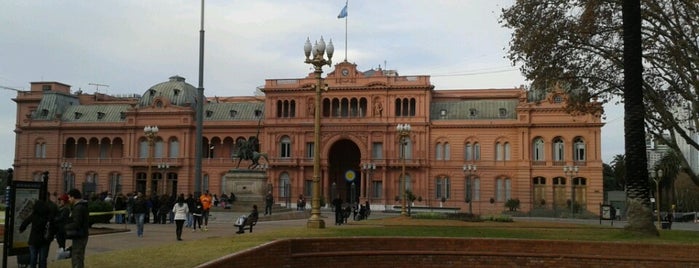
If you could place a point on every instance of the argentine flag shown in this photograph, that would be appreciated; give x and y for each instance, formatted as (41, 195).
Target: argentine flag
(343, 12)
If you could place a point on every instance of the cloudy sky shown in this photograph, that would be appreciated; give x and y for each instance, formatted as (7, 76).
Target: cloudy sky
(131, 45)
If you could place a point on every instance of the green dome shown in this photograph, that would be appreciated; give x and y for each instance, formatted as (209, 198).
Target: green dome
(176, 90)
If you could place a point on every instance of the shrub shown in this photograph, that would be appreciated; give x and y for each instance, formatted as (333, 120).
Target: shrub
(498, 218)
(512, 204)
(100, 206)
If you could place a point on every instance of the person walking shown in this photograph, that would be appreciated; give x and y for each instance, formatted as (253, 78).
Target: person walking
(269, 201)
(61, 219)
(337, 204)
(206, 200)
(78, 229)
(197, 212)
(180, 209)
(140, 210)
(39, 237)
(190, 203)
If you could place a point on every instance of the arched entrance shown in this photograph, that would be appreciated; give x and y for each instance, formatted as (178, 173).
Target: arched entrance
(343, 169)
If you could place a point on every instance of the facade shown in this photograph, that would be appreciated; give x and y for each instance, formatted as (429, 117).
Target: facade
(516, 141)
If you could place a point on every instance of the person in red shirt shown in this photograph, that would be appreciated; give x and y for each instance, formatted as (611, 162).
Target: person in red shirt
(206, 205)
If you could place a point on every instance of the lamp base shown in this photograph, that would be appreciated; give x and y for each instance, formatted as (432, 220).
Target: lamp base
(315, 223)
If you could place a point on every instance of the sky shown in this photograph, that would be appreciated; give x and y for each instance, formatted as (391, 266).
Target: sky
(131, 45)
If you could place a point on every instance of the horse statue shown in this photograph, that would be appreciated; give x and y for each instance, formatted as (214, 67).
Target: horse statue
(249, 150)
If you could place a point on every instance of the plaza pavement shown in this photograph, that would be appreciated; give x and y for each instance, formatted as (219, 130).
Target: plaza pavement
(221, 225)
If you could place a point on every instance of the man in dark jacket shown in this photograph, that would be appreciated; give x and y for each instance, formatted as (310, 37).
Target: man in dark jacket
(78, 228)
(39, 238)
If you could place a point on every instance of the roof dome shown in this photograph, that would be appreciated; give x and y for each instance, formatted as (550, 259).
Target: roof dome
(176, 90)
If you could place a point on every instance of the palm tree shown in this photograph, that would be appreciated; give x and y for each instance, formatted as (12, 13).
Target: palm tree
(670, 165)
(619, 166)
(639, 213)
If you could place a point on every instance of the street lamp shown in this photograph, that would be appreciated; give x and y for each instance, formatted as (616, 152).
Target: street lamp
(151, 132)
(470, 168)
(67, 182)
(318, 61)
(571, 171)
(403, 135)
(657, 176)
(368, 168)
(163, 167)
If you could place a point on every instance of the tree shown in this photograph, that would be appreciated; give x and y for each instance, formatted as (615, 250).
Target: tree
(585, 45)
(619, 166)
(579, 44)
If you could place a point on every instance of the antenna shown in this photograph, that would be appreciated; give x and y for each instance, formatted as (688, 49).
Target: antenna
(97, 86)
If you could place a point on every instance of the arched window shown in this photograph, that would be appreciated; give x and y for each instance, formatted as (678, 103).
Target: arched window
(143, 149)
(579, 149)
(538, 149)
(499, 151)
(503, 188)
(285, 147)
(174, 150)
(508, 151)
(468, 152)
(447, 151)
(558, 149)
(439, 151)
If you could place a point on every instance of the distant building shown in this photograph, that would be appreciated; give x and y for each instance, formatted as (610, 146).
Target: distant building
(519, 140)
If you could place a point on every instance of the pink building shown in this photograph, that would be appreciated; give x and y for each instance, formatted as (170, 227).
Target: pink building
(516, 142)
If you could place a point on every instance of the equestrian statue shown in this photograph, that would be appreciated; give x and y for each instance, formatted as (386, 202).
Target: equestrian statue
(250, 150)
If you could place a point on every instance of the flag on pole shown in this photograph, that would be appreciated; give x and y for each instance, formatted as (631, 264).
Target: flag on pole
(343, 12)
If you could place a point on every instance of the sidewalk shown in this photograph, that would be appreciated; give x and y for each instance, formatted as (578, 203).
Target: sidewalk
(220, 225)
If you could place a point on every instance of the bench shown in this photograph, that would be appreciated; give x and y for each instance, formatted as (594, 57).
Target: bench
(245, 222)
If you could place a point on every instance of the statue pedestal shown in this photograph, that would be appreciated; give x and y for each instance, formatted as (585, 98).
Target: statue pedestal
(249, 186)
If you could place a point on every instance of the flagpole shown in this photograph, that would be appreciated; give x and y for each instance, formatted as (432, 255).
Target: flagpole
(346, 3)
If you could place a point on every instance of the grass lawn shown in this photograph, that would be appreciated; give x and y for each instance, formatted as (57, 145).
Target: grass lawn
(195, 252)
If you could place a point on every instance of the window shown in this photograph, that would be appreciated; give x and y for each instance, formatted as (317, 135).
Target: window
(557, 99)
(376, 189)
(472, 112)
(468, 152)
(499, 151)
(100, 115)
(508, 150)
(115, 183)
(233, 113)
(284, 185)
(258, 113)
(143, 149)
(40, 150)
(209, 113)
(122, 115)
(443, 113)
(447, 151)
(558, 149)
(476, 186)
(285, 150)
(443, 188)
(405, 151)
(174, 150)
(308, 188)
(46, 87)
(503, 188)
(377, 150)
(408, 185)
(78, 115)
(476, 151)
(309, 150)
(579, 149)
(538, 152)
(44, 112)
(159, 148)
(439, 151)
(405, 106)
(502, 112)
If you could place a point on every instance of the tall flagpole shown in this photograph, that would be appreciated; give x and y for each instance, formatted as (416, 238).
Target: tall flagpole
(346, 3)
(199, 112)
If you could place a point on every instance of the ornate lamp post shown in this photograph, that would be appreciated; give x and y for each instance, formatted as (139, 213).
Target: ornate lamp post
(470, 169)
(571, 171)
(403, 134)
(318, 61)
(368, 168)
(67, 181)
(163, 167)
(657, 176)
(151, 132)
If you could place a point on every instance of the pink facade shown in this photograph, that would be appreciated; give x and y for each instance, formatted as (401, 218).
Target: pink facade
(519, 141)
